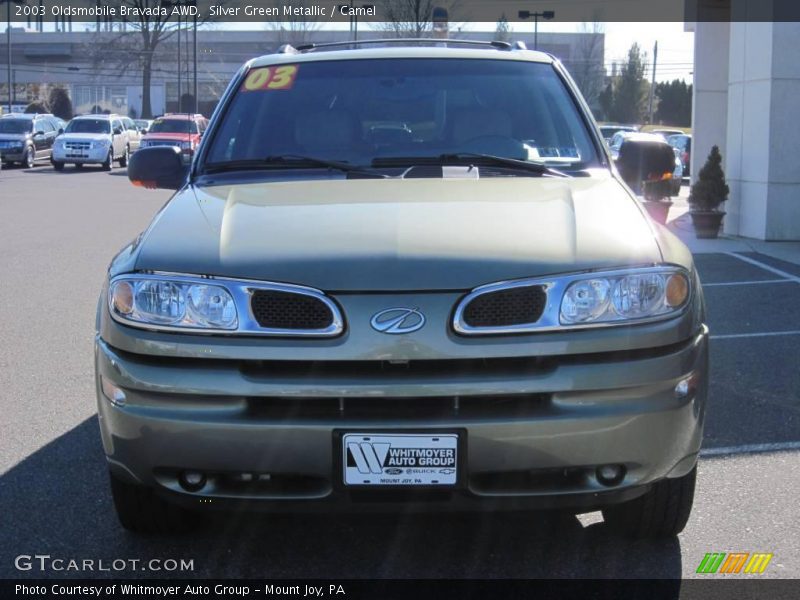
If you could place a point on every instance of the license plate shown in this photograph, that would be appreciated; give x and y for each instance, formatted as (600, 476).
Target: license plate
(400, 459)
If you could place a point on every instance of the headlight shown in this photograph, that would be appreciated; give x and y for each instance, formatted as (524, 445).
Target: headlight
(574, 301)
(172, 303)
(623, 297)
(101, 143)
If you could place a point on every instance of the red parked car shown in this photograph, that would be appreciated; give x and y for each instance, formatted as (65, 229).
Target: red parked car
(181, 130)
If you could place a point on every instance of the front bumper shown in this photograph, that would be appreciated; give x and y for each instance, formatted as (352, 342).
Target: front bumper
(539, 446)
(8, 155)
(88, 156)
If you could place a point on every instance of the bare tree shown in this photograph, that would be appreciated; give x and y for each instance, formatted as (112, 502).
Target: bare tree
(412, 18)
(503, 32)
(292, 29)
(134, 45)
(587, 65)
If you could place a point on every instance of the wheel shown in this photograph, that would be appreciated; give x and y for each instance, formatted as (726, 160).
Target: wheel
(109, 163)
(30, 158)
(140, 509)
(58, 166)
(123, 161)
(660, 513)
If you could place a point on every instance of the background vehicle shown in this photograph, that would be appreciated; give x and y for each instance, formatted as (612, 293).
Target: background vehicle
(133, 133)
(468, 281)
(180, 130)
(27, 138)
(666, 132)
(608, 131)
(143, 125)
(98, 139)
(683, 143)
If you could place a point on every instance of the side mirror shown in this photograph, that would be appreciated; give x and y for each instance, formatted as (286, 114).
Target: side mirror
(60, 130)
(38, 134)
(157, 167)
(117, 130)
(641, 161)
(143, 130)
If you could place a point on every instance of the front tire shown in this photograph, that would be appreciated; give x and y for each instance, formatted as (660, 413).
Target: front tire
(660, 513)
(30, 158)
(109, 162)
(123, 161)
(58, 166)
(139, 509)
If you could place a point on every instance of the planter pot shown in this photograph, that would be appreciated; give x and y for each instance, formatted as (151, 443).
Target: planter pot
(658, 210)
(707, 223)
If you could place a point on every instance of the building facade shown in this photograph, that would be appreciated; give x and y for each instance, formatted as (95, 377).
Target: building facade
(746, 91)
(102, 69)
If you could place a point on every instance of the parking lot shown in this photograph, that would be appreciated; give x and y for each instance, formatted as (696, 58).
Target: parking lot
(58, 232)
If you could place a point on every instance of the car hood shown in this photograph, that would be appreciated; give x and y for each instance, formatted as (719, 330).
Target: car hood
(399, 234)
(83, 137)
(182, 137)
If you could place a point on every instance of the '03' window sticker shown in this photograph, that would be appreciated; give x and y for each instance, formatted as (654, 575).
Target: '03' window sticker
(270, 78)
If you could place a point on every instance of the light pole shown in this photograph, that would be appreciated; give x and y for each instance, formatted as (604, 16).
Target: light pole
(8, 44)
(547, 15)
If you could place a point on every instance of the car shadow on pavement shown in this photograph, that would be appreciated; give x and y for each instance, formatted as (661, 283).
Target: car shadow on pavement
(57, 502)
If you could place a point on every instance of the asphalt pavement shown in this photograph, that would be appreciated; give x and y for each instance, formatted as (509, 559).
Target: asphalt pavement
(58, 232)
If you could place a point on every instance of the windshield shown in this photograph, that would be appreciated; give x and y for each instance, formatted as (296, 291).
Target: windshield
(173, 126)
(368, 111)
(15, 125)
(89, 126)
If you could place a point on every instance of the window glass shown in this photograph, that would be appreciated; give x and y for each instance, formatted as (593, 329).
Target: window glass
(360, 110)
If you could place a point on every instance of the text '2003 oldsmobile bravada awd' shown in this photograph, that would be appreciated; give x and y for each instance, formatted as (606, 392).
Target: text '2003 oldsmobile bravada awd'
(406, 278)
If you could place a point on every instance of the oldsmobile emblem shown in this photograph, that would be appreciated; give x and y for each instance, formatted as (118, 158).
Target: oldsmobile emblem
(398, 320)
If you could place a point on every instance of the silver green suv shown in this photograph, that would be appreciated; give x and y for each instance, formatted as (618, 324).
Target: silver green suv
(401, 276)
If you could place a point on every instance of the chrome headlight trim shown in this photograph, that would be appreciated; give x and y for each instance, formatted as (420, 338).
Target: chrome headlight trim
(555, 287)
(241, 291)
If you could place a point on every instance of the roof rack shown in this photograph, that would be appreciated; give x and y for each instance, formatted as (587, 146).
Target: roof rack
(288, 49)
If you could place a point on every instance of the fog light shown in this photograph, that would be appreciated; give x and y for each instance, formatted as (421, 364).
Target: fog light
(610, 474)
(114, 395)
(192, 480)
(686, 386)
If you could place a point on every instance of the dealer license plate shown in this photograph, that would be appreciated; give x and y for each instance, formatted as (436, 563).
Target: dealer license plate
(400, 459)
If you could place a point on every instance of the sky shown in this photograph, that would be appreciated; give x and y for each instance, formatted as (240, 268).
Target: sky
(675, 46)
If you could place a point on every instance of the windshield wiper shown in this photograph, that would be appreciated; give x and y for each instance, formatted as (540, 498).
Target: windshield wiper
(471, 159)
(289, 161)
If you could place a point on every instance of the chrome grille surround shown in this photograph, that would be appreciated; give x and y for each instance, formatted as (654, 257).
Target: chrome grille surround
(242, 291)
(555, 286)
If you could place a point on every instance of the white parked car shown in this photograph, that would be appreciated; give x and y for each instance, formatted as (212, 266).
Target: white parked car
(100, 139)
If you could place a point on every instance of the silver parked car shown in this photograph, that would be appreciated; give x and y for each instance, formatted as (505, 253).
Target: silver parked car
(470, 313)
(92, 139)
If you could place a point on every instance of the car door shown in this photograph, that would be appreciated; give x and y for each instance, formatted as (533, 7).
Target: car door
(118, 137)
(41, 129)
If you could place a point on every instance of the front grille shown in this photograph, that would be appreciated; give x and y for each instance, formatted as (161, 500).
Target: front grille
(77, 145)
(274, 309)
(506, 307)
(511, 406)
(152, 143)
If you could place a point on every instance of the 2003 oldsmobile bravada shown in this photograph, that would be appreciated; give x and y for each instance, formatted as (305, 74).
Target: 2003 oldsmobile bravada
(401, 276)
